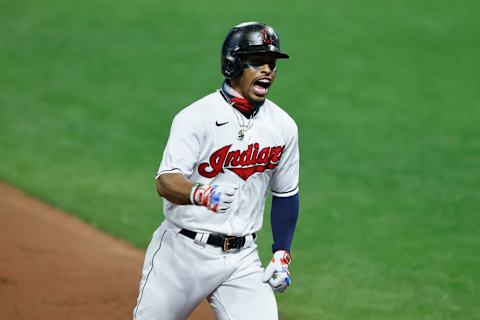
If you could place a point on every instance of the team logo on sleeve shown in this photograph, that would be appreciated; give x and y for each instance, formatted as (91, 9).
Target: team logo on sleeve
(243, 163)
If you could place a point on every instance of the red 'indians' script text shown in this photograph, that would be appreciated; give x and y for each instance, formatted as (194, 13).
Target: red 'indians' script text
(244, 164)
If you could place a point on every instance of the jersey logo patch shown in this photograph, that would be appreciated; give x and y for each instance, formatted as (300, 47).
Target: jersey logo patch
(220, 124)
(244, 164)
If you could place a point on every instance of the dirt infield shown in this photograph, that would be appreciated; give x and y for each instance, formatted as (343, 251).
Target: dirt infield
(53, 266)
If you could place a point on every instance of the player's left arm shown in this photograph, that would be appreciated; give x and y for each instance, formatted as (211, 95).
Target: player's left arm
(284, 217)
(284, 214)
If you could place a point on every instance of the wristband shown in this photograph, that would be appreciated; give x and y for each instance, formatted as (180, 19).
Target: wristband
(192, 193)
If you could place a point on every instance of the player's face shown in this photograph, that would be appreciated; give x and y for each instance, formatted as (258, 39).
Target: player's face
(257, 77)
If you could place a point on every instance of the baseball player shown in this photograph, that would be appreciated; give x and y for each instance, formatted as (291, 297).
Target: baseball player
(225, 153)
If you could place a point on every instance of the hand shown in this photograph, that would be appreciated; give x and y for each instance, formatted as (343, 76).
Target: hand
(276, 273)
(217, 197)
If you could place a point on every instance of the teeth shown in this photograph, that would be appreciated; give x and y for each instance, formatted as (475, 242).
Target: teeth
(264, 81)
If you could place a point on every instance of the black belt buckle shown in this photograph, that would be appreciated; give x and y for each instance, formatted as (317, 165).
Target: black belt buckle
(230, 243)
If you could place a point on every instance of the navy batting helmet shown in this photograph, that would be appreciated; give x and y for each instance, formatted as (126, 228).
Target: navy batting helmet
(248, 38)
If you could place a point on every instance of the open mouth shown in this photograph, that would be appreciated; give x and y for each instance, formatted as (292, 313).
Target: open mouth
(260, 87)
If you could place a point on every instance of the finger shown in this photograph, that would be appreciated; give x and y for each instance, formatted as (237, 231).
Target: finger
(225, 206)
(280, 279)
(281, 289)
(227, 199)
(229, 193)
(267, 275)
(276, 285)
(229, 190)
(223, 209)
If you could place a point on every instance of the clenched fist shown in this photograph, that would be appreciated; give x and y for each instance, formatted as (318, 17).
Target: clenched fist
(276, 273)
(217, 197)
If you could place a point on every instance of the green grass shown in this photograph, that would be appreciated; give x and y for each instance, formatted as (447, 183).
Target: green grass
(386, 95)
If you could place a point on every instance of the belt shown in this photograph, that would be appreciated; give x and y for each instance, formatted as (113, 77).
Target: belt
(225, 242)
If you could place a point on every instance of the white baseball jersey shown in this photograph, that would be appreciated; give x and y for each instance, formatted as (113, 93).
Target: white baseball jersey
(204, 145)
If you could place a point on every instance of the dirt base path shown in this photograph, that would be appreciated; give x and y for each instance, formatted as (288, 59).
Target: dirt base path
(53, 266)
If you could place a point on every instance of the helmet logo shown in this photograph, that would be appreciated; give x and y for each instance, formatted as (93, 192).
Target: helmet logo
(267, 37)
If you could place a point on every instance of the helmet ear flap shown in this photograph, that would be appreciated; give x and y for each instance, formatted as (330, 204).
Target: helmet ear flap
(238, 67)
(232, 67)
(228, 68)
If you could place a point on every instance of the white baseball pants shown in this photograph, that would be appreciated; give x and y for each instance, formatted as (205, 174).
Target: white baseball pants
(180, 272)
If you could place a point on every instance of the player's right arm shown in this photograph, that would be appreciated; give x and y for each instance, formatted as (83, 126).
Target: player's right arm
(174, 187)
(179, 160)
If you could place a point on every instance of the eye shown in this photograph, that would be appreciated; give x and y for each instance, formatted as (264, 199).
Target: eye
(256, 63)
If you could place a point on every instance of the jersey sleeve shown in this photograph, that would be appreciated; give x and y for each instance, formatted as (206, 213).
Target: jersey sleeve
(284, 181)
(183, 146)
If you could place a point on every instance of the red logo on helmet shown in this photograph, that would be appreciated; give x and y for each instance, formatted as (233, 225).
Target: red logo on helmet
(243, 163)
(267, 37)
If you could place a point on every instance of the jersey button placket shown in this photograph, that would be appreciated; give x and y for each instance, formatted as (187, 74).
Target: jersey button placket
(246, 141)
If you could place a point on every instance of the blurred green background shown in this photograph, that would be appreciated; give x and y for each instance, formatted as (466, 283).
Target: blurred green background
(386, 95)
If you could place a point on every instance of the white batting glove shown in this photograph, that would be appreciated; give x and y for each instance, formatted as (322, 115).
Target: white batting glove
(217, 197)
(276, 273)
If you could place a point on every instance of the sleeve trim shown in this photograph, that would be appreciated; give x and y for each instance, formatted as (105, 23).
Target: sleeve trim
(174, 170)
(286, 193)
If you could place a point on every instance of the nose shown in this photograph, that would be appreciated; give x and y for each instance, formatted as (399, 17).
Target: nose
(267, 68)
